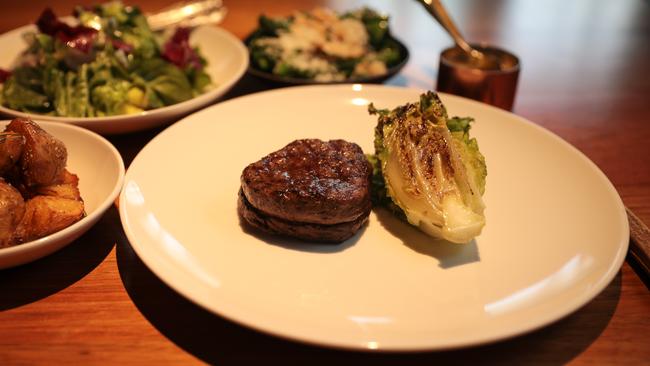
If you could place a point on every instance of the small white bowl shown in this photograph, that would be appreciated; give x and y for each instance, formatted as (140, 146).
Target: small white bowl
(227, 59)
(100, 169)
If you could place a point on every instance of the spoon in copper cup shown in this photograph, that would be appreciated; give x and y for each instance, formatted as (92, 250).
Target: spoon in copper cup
(481, 72)
(474, 58)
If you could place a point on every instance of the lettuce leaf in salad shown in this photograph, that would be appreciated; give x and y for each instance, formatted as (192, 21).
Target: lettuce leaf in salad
(17, 96)
(157, 76)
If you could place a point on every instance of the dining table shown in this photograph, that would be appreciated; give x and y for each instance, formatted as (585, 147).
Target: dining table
(585, 76)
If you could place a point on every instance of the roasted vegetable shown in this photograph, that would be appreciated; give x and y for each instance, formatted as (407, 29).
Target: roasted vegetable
(38, 196)
(428, 170)
(12, 209)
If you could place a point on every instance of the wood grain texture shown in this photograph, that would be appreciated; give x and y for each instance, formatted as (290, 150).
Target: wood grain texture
(585, 76)
(639, 242)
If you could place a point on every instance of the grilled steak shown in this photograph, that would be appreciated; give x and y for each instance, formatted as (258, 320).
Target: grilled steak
(311, 181)
(334, 233)
(310, 189)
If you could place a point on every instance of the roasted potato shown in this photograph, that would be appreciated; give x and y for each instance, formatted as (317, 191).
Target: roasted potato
(43, 158)
(38, 196)
(12, 210)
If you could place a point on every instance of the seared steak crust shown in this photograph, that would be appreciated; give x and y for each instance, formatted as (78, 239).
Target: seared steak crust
(311, 181)
(334, 233)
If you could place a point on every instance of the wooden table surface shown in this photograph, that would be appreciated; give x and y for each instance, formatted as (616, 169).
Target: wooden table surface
(585, 76)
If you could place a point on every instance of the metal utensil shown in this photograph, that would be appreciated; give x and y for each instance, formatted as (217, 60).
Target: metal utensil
(188, 14)
(476, 58)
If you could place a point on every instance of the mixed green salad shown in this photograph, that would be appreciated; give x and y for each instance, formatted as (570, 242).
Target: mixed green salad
(111, 63)
(324, 46)
(427, 169)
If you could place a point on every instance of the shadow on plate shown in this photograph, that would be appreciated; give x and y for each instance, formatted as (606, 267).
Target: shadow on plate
(216, 340)
(36, 280)
(448, 254)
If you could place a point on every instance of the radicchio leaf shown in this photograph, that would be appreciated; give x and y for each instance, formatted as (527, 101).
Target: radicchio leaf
(121, 45)
(79, 37)
(177, 50)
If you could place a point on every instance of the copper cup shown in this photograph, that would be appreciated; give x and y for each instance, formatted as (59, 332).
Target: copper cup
(495, 86)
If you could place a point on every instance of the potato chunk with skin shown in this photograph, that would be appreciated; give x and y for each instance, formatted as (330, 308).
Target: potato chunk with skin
(45, 215)
(43, 158)
(54, 208)
(67, 186)
(12, 208)
(11, 149)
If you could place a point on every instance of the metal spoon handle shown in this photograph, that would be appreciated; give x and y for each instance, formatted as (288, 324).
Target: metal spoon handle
(188, 13)
(435, 8)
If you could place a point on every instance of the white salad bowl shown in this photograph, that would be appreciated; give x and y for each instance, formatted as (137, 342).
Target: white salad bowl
(100, 169)
(227, 60)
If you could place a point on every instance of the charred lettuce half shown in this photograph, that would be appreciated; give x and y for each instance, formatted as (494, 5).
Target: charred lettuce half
(428, 170)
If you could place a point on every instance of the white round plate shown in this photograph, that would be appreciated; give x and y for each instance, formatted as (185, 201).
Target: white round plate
(227, 59)
(556, 230)
(100, 169)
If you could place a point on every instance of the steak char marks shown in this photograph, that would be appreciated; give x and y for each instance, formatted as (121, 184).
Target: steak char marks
(310, 189)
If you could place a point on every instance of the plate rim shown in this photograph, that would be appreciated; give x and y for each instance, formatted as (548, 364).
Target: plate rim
(604, 279)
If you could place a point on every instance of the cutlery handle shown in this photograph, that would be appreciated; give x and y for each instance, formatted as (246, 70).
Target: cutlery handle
(640, 241)
(189, 14)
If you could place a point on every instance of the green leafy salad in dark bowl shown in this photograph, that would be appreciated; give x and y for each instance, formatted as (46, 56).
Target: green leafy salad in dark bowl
(325, 47)
(107, 63)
